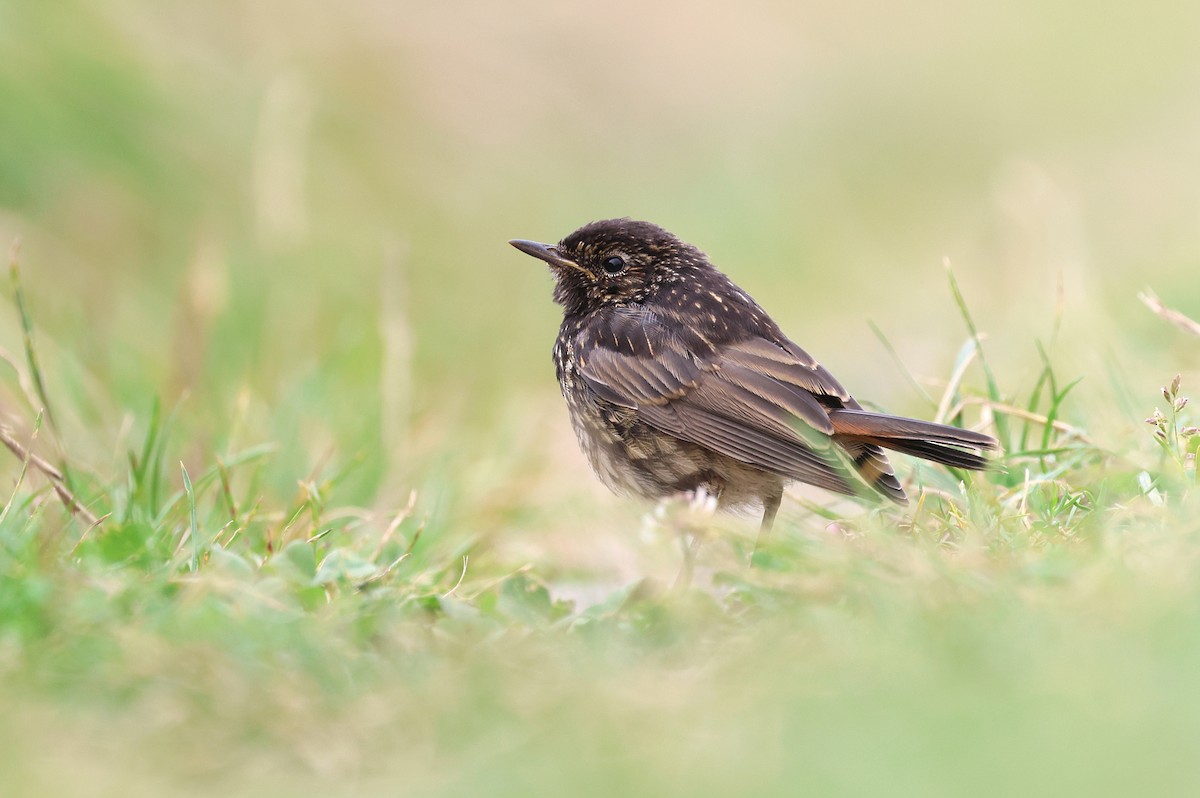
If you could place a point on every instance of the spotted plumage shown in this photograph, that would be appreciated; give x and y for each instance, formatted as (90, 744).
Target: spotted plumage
(676, 380)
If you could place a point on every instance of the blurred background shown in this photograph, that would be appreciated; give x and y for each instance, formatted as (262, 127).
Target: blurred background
(288, 220)
(285, 222)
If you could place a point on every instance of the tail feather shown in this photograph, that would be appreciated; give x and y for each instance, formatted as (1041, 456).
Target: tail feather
(864, 424)
(874, 469)
(936, 452)
(859, 431)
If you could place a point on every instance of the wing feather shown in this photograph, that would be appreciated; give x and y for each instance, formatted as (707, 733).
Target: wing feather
(764, 402)
(788, 364)
(748, 445)
(751, 400)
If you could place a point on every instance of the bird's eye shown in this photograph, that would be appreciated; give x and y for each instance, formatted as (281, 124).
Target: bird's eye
(614, 265)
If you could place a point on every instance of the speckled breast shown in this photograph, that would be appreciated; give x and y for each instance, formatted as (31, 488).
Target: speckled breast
(629, 456)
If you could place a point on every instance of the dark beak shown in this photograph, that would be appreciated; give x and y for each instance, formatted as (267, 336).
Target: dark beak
(548, 253)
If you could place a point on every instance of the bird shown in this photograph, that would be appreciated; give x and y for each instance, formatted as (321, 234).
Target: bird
(677, 382)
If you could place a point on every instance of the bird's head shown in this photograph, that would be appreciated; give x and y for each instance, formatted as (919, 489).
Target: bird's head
(614, 262)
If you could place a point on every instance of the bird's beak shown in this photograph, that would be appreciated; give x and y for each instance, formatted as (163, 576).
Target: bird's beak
(548, 253)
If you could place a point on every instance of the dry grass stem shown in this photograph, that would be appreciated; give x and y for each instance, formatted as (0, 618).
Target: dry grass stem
(53, 474)
(1151, 300)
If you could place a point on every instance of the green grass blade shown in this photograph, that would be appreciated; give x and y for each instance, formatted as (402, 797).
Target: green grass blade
(1052, 414)
(992, 386)
(8, 505)
(35, 370)
(212, 473)
(908, 375)
(195, 531)
(155, 466)
(140, 464)
(1035, 398)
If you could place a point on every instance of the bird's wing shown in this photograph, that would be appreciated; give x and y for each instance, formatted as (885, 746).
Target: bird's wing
(756, 401)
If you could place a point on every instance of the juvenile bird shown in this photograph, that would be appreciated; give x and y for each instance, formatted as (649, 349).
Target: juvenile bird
(677, 381)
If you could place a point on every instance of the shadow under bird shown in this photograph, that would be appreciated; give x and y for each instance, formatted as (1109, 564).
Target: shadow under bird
(677, 381)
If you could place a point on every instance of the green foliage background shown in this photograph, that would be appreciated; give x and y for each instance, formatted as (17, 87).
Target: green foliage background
(263, 246)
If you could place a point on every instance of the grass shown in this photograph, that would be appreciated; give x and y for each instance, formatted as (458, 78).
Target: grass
(1025, 631)
(292, 504)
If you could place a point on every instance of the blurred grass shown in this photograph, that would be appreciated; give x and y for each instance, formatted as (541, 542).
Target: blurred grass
(267, 241)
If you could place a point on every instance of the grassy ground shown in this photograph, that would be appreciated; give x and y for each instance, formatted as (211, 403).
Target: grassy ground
(332, 533)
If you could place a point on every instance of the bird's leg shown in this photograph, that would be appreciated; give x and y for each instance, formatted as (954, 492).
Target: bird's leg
(688, 545)
(771, 502)
(701, 503)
